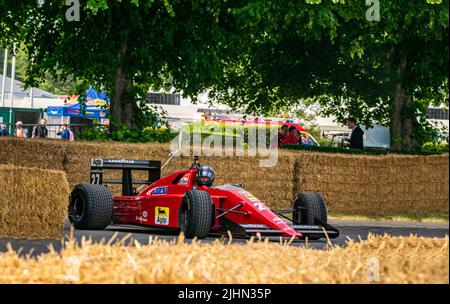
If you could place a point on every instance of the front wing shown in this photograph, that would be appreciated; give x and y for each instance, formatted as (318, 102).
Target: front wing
(321, 230)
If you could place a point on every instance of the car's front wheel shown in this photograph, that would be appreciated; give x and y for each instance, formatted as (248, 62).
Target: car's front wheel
(308, 208)
(196, 214)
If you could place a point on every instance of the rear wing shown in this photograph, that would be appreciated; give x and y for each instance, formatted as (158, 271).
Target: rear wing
(98, 165)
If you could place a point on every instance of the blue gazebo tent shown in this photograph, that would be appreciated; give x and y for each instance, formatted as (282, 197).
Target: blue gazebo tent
(92, 96)
(96, 107)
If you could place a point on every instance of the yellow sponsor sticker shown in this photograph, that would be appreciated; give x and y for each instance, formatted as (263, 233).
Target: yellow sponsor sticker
(251, 197)
(162, 215)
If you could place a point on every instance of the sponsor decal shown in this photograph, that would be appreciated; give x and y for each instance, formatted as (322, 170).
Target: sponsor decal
(254, 226)
(256, 202)
(97, 162)
(122, 161)
(249, 196)
(97, 102)
(279, 221)
(162, 215)
(144, 214)
(160, 190)
(312, 227)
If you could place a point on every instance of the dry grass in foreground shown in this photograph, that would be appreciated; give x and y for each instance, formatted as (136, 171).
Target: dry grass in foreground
(399, 260)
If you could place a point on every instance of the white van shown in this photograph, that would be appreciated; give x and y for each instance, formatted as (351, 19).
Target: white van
(377, 137)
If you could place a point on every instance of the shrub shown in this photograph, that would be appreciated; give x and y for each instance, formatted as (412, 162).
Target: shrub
(125, 134)
(435, 147)
(355, 151)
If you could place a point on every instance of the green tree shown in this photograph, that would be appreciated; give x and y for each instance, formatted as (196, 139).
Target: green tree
(406, 56)
(49, 83)
(380, 72)
(125, 47)
(255, 54)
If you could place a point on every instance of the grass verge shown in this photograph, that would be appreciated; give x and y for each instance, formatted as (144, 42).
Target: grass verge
(438, 217)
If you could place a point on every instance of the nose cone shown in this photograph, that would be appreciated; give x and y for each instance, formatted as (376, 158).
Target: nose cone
(283, 226)
(291, 232)
(257, 212)
(266, 215)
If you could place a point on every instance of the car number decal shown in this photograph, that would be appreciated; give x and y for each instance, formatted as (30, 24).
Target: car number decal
(260, 206)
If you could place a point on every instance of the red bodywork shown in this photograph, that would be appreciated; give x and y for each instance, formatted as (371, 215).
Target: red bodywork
(243, 122)
(158, 206)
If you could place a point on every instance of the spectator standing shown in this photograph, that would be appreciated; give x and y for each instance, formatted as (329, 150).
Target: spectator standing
(4, 131)
(281, 136)
(284, 132)
(355, 139)
(41, 130)
(305, 140)
(19, 132)
(298, 136)
(64, 132)
(290, 139)
(71, 135)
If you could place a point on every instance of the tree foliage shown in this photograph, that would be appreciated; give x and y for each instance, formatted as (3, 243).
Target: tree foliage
(257, 54)
(379, 72)
(125, 47)
(49, 83)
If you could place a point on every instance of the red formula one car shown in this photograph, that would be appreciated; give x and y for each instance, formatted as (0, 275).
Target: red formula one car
(188, 201)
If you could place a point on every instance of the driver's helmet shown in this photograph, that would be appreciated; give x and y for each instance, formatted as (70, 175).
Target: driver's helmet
(205, 176)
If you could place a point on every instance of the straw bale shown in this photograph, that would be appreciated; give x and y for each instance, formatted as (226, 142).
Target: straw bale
(358, 184)
(380, 259)
(32, 153)
(33, 202)
(378, 185)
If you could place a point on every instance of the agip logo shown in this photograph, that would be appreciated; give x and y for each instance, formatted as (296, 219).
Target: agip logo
(162, 216)
(97, 162)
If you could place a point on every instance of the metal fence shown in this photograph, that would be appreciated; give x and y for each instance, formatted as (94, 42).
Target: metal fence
(53, 129)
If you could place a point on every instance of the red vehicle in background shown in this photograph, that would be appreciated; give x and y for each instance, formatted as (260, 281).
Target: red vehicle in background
(244, 122)
(187, 201)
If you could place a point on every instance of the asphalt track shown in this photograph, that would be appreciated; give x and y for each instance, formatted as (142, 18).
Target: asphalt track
(356, 230)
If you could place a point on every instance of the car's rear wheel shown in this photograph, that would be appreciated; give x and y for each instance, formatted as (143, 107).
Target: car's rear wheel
(196, 214)
(309, 207)
(90, 207)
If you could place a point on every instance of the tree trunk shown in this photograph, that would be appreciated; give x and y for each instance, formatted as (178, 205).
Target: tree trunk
(129, 106)
(402, 115)
(407, 122)
(396, 119)
(123, 105)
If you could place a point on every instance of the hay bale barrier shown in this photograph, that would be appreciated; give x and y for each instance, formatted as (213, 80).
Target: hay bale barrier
(33, 203)
(35, 153)
(380, 259)
(351, 184)
(376, 185)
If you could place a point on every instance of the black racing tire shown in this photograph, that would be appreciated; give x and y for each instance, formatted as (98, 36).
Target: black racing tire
(196, 214)
(90, 207)
(309, 207)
